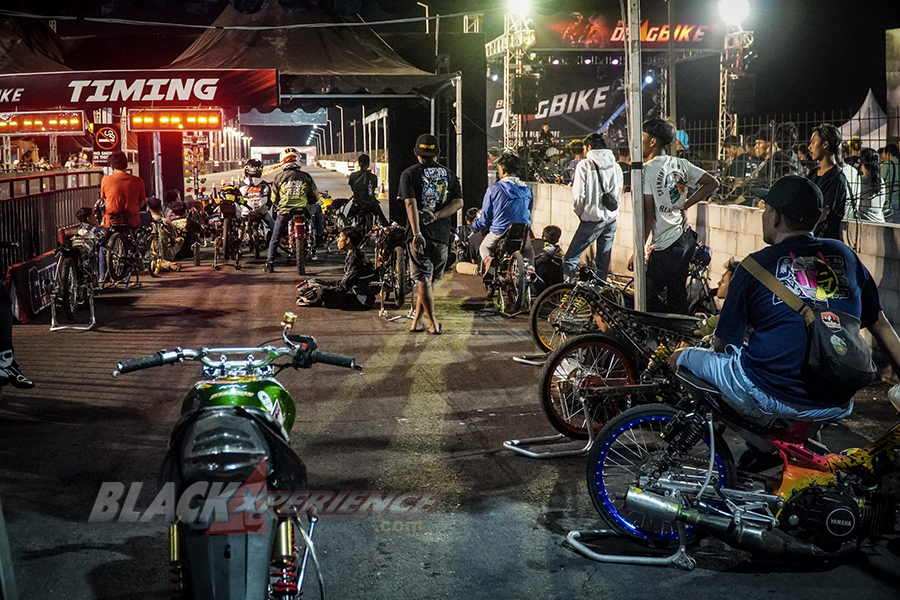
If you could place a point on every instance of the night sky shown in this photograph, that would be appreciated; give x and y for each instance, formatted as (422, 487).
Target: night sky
(813, 55)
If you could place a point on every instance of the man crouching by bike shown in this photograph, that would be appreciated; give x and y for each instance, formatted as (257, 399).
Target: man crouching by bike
(293, 188)
(507, 202)
(768, 377)
(354, 291)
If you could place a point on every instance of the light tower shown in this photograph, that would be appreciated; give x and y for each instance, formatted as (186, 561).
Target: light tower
(732, 65)
(517, 38)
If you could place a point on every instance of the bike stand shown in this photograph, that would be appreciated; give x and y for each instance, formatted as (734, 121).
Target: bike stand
(54, 323)
(680, 558)
(521, 446)
(534, 360)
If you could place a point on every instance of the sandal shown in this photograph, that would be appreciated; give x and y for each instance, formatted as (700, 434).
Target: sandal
(417, 329)
(436, 331)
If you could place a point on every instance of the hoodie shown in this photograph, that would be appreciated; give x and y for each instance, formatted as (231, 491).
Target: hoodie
(597, 173)
(506, 202)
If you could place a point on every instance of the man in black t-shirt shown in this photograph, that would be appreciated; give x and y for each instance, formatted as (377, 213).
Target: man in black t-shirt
(363, 183)
(432, 194)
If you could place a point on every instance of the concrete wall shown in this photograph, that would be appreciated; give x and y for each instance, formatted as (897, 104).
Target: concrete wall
(732, 231)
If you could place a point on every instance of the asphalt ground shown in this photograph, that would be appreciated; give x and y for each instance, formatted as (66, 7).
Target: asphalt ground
(429, 413)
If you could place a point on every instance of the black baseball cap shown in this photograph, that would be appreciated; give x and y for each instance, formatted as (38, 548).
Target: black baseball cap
(795, 197)
(732, 140)
(427, 145)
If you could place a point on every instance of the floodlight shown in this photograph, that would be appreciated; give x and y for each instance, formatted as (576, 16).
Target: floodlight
(648, 79)
(519, 7)
(734, 12)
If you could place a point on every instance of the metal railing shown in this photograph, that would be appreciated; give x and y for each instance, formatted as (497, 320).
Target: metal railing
(34, 207)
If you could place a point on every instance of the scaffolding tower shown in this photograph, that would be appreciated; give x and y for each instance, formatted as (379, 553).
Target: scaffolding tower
(513, 45)
(732, 65)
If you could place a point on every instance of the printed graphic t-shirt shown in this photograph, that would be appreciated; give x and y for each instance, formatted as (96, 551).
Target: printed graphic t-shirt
(823, 272)
(667, 179)
(432, 185)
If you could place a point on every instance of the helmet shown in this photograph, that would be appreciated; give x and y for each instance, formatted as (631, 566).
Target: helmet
(253, 168)
(288, 156)
(230, 193)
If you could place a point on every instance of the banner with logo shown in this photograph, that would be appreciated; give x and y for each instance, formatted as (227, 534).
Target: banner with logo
(160, 89)
(574, 101)
(25, 282)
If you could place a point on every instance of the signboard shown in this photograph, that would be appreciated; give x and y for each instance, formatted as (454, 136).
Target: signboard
(197, 119)
(26, 283)
(107, 139)
(163, 88)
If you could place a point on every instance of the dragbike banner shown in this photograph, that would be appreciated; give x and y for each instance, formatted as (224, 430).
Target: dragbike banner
(25, 282)
(574, 101)
(163, 88)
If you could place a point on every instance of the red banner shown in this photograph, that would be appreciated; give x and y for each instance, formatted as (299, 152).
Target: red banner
(164, 88)
(26, 285)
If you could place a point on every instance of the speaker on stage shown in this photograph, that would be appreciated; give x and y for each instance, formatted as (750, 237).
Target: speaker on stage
(525, 94)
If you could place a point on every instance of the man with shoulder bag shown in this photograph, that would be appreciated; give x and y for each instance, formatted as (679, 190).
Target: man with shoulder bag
(804, 299)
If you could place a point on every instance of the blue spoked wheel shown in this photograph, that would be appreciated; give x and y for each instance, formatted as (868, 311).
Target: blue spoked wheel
(626, 450)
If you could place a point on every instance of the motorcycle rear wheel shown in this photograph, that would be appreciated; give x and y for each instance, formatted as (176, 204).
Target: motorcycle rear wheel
(68, 288)
(516, 283)
(624, 450)
(580, 364)
(300, 255)
(117, 262)
(400, 282)
(545, 335)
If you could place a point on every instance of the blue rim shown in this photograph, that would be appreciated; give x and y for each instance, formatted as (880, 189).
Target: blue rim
(604, 495)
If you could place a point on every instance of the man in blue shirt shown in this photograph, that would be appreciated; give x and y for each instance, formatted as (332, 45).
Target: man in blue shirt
(765, 378)
(506, 203)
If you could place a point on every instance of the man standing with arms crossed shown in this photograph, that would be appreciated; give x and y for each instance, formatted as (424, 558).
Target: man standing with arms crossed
(666, 180)
(432, 194)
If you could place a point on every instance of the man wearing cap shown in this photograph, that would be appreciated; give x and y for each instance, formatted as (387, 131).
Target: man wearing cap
(765, 378)
(432, 194)
(742, 163)
(683, 148)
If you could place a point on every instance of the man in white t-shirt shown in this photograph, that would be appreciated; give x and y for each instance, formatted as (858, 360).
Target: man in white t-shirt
(666, 180)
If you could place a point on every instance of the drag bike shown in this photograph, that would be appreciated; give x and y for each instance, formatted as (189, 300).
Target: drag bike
(392, 264)
(664, 475)
(128, 251)
(234, 430)
(77, 273)
(591, 378)
(508, 278)
(224, 225)
(301, 238)
(562, 310)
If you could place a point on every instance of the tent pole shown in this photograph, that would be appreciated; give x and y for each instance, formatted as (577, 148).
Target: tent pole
(637, 156)
(457, 84)
(432, 103)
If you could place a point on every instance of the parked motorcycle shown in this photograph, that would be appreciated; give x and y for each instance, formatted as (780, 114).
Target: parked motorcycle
(224, 223)
(235, 424)
(664, 474)
(301, 238)
(77, 274)
(392, 264)
(508, 279)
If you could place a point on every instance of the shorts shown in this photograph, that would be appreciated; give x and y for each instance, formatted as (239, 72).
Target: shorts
(430, 264)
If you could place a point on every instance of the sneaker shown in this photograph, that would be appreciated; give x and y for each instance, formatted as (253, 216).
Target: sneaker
(269, 268)
(13, 376)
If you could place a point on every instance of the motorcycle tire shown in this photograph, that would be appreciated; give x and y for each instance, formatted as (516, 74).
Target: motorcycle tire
(580, 364)
(227, 240)
(516, 282)
(300, 255)
(548, 303)
(68, 288)
(117, 253)
(255, 240)
(400, 269)
(616, 462)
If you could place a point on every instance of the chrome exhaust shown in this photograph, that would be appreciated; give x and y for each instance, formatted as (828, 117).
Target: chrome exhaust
(745, 536)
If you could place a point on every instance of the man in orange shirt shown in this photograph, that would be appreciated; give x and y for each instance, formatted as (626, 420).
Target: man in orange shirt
(122, 192)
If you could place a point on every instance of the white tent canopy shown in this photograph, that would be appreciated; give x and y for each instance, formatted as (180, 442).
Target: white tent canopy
(870, 123)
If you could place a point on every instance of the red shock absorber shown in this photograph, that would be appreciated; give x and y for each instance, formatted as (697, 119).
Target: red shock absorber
(285, 571)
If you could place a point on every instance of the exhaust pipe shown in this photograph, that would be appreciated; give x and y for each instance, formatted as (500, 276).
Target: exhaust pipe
(745, 536)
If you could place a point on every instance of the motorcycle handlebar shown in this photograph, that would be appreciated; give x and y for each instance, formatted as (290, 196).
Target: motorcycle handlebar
(136, 364)
(337, 360)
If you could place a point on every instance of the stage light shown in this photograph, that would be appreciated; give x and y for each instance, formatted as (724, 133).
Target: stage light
(587, 61)
(159, 119)
(614, 62)
(648, 79)
(555, 61)
(42, 122)
(734, 12)
(495, 77)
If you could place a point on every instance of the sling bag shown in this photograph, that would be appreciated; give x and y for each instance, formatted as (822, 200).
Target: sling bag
(835, 351)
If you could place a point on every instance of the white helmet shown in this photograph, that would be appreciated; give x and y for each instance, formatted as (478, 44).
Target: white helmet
(288, 156)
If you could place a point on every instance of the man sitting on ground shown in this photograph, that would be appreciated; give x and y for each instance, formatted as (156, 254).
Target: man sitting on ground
(354, 290)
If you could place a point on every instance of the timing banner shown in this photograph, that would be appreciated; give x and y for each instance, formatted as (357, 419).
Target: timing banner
(163, 88)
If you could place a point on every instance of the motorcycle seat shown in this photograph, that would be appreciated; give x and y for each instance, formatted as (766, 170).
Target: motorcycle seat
(514, 238)
(683, 324)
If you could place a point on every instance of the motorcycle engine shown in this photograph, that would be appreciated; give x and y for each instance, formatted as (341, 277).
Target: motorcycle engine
(829, 516)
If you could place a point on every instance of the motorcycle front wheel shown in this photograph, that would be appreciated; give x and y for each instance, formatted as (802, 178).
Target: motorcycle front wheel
(626, 450)
(575, 369)
(544, 313)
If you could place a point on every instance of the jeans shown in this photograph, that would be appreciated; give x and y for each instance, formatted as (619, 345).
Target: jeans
(280, 226)
(725, 371)
(667, 272)
(603, 233)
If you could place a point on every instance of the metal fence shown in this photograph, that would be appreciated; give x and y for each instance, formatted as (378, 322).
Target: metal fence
(33, 208)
